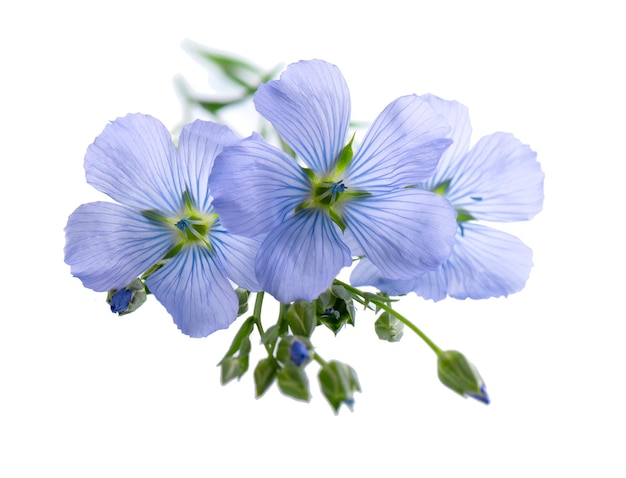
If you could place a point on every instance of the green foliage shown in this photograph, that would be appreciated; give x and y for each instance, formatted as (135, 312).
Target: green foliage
(235, 362)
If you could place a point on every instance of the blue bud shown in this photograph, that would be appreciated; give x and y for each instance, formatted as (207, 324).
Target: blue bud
(121, 300)
(127, 299)
(298, 352)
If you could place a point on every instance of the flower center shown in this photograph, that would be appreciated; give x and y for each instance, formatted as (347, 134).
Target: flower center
(327, 193)
(195, 227)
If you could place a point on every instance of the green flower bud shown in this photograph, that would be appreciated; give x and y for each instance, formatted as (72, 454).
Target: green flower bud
(460, 375)
(338, 382)
(388, 327)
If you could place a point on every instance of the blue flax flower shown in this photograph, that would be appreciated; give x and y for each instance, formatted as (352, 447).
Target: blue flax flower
(164, 225)
(330, 204)
(498, 179)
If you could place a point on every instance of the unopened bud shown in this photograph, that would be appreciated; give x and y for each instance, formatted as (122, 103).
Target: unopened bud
(460, 375)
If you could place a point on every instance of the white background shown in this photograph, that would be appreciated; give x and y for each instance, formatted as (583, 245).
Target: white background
(85, 393)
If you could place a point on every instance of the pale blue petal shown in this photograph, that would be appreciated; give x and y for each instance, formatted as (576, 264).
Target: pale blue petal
(237, 255)
(301, 257)
(195, 292)
(134, 162)
(401, 148)
(457, 116)
(485, 263)
(108, 245)
(498, 180)
(431, 283)
(255, 186)
(404, 233)
(199, 143)
(310, 108)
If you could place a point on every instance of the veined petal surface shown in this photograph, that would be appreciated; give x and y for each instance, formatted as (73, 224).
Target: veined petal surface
(195, 292)
(401, 148)
(310, 108)
(109, 245)
(301, 257)
(499, 179)
(404, 233)
(485, 263)
(237, 255)
(199, 143)
(255, 186)
(134, 160)
(457, 116)
(367, 274)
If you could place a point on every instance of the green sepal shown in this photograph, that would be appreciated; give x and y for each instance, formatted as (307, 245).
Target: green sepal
(270, 336)
(442, 187)
(154, 215)
(235, 362)
(283, 351)
(463, 215)
(310, 173)
(242, 295)
(293, 382)
(337, 219)
(264, 375)
(301, 318)
(345, 156)
(335, 308)
(338, 382)
(138, 298)
(388, 327)
(240, 338)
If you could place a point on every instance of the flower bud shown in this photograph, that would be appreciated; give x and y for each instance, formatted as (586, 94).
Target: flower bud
(294, 350)
(338, 382)
(127, 299)
(298, 352)
(460, 375)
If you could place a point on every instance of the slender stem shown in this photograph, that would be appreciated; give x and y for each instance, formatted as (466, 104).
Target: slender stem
(258, 304)
(319, 359)
(393, 312)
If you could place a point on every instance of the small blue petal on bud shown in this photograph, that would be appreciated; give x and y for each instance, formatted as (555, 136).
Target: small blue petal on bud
(298, 352)
(127, 299)
(460, 375)
(481, 397)
(121, 300)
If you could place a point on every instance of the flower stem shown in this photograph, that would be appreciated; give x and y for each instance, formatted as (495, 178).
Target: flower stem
(319, 359)
(258, 304)
(382, 305)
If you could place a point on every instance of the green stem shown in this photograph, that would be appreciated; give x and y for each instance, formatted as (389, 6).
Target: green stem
(397, 315)
(319, 359)
(258, 304)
